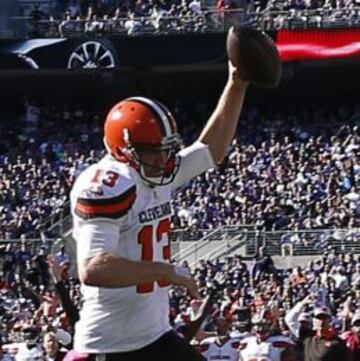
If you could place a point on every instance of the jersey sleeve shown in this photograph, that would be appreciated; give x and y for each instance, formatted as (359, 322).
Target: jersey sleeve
(95, 237)
(94, 203)
(102, 192)
(194, 160)
(99, 211)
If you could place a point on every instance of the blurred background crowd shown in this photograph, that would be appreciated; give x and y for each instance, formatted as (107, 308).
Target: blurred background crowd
(284, 171)
(33, 307)
(98, 17)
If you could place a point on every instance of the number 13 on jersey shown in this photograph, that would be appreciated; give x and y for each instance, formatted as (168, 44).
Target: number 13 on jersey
(145, 239)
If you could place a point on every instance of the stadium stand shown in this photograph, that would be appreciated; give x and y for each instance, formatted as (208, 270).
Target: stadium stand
(33, 195)
(333, 279)
(96, 18)
(290, 185)
(284, 171)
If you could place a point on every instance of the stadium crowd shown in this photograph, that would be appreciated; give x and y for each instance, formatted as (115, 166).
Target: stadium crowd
(76, 18)
(145, 7)
(284, 170)
(32, 310)
(35, 183)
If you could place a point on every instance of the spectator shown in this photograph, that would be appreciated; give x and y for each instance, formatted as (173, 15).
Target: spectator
(37, 15)
(51, 347)
(30, 349)
(195, 7)
(74, 9)
(270, 179)
(352, 337)
(325, 339)
(72, 313)
(299, 323)
(61, 256)
(263, 265)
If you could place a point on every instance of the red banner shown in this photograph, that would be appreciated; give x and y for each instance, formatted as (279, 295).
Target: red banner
(318, 44)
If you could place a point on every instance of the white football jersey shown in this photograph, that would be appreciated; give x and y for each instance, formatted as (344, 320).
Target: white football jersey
(115, 211)
(251, 349)
(212, 351)
(24, 353)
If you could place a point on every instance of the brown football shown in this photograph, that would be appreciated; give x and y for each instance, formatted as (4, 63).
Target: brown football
(255, 55)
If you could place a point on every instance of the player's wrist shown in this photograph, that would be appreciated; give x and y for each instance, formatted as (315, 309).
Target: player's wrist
(235, 81)
(178, 274)
(164, 271)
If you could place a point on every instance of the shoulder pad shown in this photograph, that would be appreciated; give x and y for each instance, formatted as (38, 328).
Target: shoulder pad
(281, 341)
(246, 341)
(104, 194)
(203, 347)
(11, 348)
(248, 338)
(208, 340)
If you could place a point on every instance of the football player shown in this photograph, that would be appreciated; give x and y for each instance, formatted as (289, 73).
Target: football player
(222, 346)
(241, 322)
(266, 344)
(121, 217)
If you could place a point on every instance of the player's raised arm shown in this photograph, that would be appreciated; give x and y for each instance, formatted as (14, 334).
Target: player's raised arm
(253, 58)
(221, 126)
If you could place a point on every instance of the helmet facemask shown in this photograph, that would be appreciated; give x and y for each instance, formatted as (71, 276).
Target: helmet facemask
(263, 324)
(262, 329)
(163, 170)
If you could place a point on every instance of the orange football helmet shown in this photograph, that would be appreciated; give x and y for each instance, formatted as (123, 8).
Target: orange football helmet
(136, 125)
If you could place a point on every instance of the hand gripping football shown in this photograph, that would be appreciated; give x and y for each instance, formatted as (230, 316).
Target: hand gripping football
(255, 55)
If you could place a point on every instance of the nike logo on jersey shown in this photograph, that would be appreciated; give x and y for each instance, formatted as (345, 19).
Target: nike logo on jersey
(155, 213)
(97, 190)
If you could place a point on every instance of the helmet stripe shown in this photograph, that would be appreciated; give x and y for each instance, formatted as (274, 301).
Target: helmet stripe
(169, 117)
(165, 122)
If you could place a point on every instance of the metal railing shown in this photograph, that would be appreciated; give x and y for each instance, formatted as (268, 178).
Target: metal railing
(195, 244)
(32, 244)
(227, 241)
(311, 242)
(321, 18)
(215, 242)
(52, 224)
(209, 21)
(224, 242)
(206, 22)
(61, 227)
(179, 235)
(223, 249)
